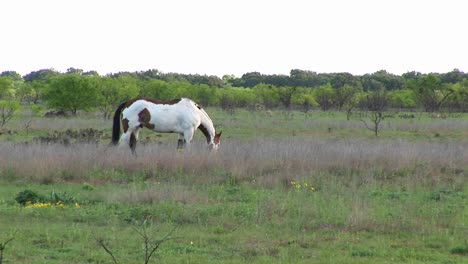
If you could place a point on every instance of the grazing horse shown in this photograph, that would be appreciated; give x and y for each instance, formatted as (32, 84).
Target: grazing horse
(182, 116)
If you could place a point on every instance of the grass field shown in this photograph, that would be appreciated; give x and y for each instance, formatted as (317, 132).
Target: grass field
(285, 187)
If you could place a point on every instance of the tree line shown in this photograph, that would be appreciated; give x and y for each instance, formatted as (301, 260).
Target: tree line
(77, 90)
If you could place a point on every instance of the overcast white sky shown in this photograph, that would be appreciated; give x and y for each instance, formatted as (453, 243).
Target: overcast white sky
(218, 37)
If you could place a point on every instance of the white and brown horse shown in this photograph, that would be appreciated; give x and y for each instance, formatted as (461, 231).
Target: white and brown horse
(182, 116)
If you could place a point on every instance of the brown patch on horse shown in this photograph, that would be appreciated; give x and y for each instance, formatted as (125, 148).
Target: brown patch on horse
(144, 118)
(205, 132)
(125, 125)
(171, 102)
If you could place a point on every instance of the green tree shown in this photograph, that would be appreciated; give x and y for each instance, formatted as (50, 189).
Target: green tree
(266, 95)
(343, 95)
(113, 91)
(41, 75)
(72, 92)
(390, 81)
(285, 94)
(352, 103)
(430, 92)
(7, 89)
(153, 88)
(204, 94)
(232, 97)
(7, 109)
(304, 98)
(404, 98)
(376, 103)
(325, 96)
(8, 103)
(459, 100)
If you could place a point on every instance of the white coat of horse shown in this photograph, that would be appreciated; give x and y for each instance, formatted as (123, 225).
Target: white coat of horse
(182, 116)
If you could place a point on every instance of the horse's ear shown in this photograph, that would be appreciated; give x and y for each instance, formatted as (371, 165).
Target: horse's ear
(217, 136)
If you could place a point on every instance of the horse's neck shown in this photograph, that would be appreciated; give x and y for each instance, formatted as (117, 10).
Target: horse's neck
(207, 126)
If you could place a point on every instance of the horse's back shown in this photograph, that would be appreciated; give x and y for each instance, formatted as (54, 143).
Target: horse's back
(169, 116)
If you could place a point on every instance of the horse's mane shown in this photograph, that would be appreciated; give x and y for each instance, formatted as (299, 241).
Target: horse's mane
(203, 111)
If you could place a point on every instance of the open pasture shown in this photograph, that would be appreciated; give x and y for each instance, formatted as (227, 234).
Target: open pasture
(285, 187)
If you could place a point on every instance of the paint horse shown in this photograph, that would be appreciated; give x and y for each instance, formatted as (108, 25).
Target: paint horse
(182, 116)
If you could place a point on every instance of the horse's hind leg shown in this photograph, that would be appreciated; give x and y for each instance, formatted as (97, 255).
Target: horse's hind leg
(134, 139)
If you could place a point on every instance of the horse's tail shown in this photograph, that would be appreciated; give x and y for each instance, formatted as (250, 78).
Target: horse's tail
(116, 124)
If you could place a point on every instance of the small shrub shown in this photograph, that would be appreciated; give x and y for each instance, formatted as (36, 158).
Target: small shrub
(87, 187)
(460, 250)
(62, 197)
(28, 196)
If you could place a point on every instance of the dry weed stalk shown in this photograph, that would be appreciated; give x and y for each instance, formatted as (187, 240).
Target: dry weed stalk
(150, 246)
(3, 245)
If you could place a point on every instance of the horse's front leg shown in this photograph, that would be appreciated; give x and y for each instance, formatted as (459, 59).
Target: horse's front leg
(188, 135)
(181, 142)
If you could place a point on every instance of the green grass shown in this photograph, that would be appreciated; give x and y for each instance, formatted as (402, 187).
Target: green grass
(239, 223)
(398, 198)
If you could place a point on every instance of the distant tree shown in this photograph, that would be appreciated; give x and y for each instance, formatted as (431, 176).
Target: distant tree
(305, 78)
(430, 92)
(32, 112)
(14, 76)
(203, 94)
(250, 80)
(341, 79)
(112, 91)
(390, 81)
(459, 100)
(376, 103)
(92, 73)
(6, 88)
(150, 74)
(411, 75)
(74, 71)
(32, 91)
(455, 76)
(352, 103)
(230, 98)
(343, 95)
(305, 99)
(325, 96)
(402, 99)
(278, 80)
(154, 88)
(71, 92)
(7, 110)
(266, 95)
(285, 94)
(8, 103)
(41, 75)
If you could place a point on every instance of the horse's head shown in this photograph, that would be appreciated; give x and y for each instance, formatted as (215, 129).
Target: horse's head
(215, 144)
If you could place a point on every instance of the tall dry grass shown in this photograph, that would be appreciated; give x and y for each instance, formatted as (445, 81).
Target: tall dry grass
(267, 162)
